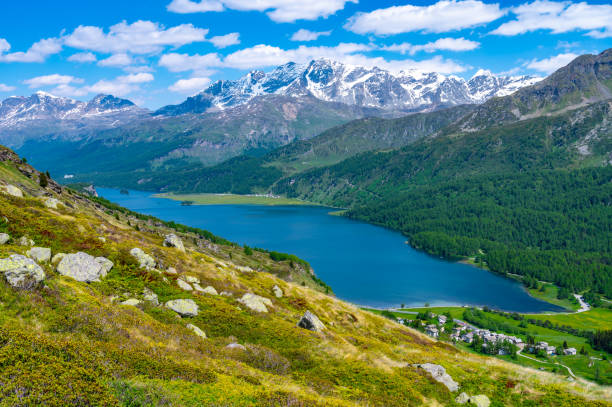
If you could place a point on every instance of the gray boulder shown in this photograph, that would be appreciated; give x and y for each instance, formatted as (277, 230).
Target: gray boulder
(255, 302)
(144, 260)
(186, 308)
(21, 271)
(12, 190)
(277, 291)
(131, 301)
(208, 290)
(439, 374)
(39, 254)
(150, 296)
(480, 400)
(171, 270)
(106, 264)
(311, 322)
(196, 330)
(462, 398)
(83, 267)
(4, 238)
(235, 346)
(173, 240)
(51, 203)
(184, 285)
(26, 241)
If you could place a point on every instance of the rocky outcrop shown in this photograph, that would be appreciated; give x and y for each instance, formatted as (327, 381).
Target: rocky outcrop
(149, 296)
(11, 190)
(255, 302)
(83, 267)
(39, 254)
(208, 290)
(439, 374)
(277, 291)
(131, 301)
(171, 270)
(184, 285)
(4, 238)
(183, 307)
(191, 279)
(196, 330)
(173, 240)
(144, 260)
(51, 203)
(21, 271)
(480, 400)
(311, 322)
(25, 241)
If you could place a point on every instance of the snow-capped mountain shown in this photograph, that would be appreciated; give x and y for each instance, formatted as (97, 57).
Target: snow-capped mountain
(44, 106)
(334, 81)
(23, 117)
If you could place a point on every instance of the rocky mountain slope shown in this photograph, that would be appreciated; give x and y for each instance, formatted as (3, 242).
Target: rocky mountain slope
(334, 81)
(42, 114)
(129, 310)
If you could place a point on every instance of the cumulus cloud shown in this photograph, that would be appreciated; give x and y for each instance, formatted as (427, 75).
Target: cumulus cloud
(307, 35)
(140, 37)
(263, 55)
(549, 65)
(282, 11)
(82, 57)
(442, 44)
(117, 60)
(50, 80)
(6, 88)
(38, 52)
(222, 41)
(560, 17)
(443, 16)
(190, 86)
(121, 85)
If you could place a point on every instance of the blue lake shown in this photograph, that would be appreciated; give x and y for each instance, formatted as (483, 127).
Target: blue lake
(364, 264)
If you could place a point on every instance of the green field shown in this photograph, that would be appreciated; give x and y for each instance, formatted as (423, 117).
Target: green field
(549, 292)
(233, 199)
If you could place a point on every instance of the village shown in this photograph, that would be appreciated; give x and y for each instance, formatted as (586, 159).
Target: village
(435, 325)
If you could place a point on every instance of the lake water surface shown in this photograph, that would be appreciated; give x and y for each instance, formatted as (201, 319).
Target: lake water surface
(364, 264)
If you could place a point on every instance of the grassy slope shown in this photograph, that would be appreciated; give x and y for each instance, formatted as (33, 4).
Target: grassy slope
(70, 332)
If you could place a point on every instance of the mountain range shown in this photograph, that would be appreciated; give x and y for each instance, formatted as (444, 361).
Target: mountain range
(332, 81)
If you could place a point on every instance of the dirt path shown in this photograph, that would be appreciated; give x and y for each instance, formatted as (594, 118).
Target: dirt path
(548, 363)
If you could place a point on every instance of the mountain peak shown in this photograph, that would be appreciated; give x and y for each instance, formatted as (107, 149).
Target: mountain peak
(482, 72)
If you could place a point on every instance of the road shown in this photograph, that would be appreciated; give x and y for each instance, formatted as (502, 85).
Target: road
(548, 363)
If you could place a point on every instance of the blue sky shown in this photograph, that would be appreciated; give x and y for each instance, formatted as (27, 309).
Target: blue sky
(158, 52)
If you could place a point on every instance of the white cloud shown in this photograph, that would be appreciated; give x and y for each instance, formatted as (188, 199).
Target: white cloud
(38, 52)
(443, 16)
(188, 6)
(140, 37)
(136, 78)
(262, 56)
(222, 41)
(50, 80)
(6, 88)
(4, 45)
(182, 62)
(117, 60)
(82, 57)
(560, 17)
(69, 91)
(442, 44)
(282, 11)
(307, 35)
(549, 65)
(190, 86)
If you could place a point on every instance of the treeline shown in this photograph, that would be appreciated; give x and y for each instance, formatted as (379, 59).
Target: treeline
(551, 225)
(602, 340)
